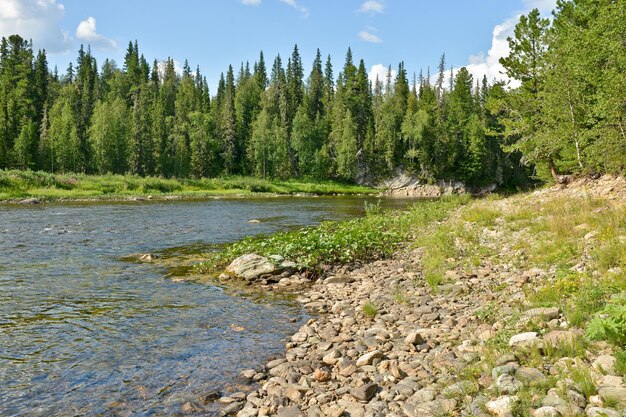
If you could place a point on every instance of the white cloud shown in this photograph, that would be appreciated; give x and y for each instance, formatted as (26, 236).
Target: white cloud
(372, 6)
(295, 5)
(489, 65)
(366, 36)
(86, 32)
(544, 6)
(251, 2)
(380, 71)
(178, 68)
(38, 20)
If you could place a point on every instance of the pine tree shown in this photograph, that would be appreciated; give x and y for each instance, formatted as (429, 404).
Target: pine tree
(227, 125)
(17, 94)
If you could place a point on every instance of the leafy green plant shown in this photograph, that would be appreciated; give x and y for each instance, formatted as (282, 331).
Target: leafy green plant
(371, 237)
(610, 323)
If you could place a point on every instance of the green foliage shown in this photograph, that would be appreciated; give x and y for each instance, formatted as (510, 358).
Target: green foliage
(372, 209)
(567, 115)
(21, 184)
(610, 323)
(370, 310)
(371, 237)
(620, 362)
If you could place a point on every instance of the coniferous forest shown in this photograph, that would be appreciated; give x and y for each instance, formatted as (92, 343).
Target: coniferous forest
(565, 115)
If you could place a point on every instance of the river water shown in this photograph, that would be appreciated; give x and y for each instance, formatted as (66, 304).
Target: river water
(83, 332)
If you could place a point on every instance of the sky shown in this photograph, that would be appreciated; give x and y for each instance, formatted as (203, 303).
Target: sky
(212, 34)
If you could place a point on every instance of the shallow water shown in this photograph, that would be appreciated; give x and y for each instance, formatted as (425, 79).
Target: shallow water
(84, 333)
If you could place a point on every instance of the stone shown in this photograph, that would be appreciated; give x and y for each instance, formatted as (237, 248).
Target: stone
(524, 339)
(369, 357)
(546, 313)
(321, 375)
(30, 201)
(423, 395)
(291, 411)
(414, 338)
(210, 396)
(559, 337)
(546, 412)
(605, 364)
(507, 384)
(612, 381)
(530, 376)
(248, 374)
(332, 357)
(459, 388)
(430, 408)
(276, 362)
(617, 394)
(365, 392)
(148, 257)
(509, 368)
(251, 267)
(339, 279)
(191, 408)
(231, 409)
(602, 412)
(502, 406)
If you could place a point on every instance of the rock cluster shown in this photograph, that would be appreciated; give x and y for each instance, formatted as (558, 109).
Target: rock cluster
(413, 357)
(384, 343)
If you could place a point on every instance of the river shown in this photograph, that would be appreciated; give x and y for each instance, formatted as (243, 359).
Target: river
(83, 332)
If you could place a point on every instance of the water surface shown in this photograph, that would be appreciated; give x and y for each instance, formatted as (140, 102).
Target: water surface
(84, 333)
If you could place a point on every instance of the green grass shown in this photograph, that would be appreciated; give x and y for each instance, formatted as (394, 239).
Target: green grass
(371, 237)
(370, 309)
(15, 185)
(439, 247)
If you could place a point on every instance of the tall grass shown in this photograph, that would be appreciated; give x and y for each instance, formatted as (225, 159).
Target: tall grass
(24, 184)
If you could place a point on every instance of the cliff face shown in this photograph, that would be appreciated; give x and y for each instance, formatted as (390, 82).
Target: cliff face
(404, 185)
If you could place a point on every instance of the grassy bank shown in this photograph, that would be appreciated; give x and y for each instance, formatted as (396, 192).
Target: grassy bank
(574, 247)
(17, 185)
(377, 235)
(578, 244)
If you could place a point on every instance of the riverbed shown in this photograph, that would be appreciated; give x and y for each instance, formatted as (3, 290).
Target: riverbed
(84, 332)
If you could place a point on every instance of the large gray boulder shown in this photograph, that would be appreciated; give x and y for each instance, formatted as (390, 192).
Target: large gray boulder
(252, 266)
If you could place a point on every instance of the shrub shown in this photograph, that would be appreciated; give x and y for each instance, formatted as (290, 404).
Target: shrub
(610, 323)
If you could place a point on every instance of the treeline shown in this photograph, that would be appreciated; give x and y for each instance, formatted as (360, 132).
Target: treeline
(568, 115)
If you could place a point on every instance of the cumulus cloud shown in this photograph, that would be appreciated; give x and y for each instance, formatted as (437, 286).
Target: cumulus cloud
(372, 6)
(544, 6)
(366, 36)
(380, 71)
(86, 32)
(251, 2)
(489, 65)
(38, 20)
(178, 68)
(295, 5)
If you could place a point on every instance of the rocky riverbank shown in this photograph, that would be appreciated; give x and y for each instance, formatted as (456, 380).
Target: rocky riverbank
(493, 334)
(403, 185)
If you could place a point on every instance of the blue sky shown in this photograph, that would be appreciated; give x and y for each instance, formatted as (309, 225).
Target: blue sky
(213, 34)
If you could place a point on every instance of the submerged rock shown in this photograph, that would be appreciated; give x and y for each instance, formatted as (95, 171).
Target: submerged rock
(147, 257)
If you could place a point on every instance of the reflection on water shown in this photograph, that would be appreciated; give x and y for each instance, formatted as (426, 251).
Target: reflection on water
(83, 332)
